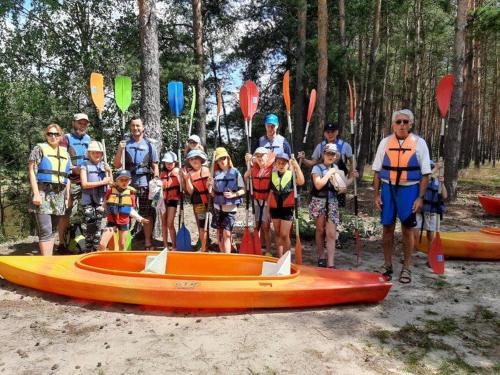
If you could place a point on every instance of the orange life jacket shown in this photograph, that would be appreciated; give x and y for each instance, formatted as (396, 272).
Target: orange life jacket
(261, 180)
(400, 162)
(199, 180)
(281, 194)
(171, 185)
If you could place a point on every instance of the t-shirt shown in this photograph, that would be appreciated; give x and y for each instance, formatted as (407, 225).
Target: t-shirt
(344, 147)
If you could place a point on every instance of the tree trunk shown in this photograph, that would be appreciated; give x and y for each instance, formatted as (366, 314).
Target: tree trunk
(150, 70)
(454, 134)
(322, 67)
(342, 77)
(367, 112)
(198, 57)
(299, 118)
(417, 53)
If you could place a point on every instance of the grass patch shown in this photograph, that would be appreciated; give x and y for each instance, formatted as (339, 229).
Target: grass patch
(441, 283)
(455, 366)
(441, 327)
(430, 312)
(382, 335)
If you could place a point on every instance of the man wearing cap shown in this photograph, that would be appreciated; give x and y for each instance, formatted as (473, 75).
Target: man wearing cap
(141, 160)
(273, 141)
(402, 169)
(77, 142)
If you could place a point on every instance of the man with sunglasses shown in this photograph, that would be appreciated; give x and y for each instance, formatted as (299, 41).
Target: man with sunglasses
(402, 170)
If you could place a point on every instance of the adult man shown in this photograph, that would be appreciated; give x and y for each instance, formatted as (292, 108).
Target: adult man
(272, 140)
(141, 160)
(402, 169)
(77, 142)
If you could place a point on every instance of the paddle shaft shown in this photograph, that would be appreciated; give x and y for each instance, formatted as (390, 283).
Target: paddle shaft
(441, 169)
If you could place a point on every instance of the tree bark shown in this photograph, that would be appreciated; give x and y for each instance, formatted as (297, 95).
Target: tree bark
(322, 67)
(198, 57)
(150, 70)
(299, 118)
(342, 77)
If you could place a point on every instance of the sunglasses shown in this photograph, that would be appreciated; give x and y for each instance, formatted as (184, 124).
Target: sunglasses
(51, 134)
(399, 122)
(222, 158)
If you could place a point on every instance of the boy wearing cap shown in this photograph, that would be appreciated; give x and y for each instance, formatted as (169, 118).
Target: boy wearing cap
(228, 188)
(95, 176)
(171, 195)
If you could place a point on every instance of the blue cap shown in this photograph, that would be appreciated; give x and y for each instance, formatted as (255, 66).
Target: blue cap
(122, 174)
(196, 154)
(282, 155)
(271, 119)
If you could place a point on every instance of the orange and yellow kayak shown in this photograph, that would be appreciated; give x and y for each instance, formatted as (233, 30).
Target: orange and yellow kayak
(482, 245)
(191, 280)
(490, 203)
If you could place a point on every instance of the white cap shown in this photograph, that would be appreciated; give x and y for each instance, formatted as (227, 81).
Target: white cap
(261, 150)
(194, 138)
(80, 116)
(169, 157)
(330, 147)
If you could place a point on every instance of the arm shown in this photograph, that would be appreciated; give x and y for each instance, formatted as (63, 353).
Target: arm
(299, 176)
(444, 192)
(376, 191)
(417, 205)
(135, 215)
(117, 160)
(319, 182)
(156, 170)
(90, 185)
(37, 200)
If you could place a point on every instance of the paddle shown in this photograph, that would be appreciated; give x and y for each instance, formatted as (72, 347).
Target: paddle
(191, 110)
(352, 117)
(444, 91)
(286, 98)
(175, 95)
(123, 95)
(97, 92)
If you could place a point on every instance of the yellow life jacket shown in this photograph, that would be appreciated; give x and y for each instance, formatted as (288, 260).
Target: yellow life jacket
(54, 167)
(120, 202)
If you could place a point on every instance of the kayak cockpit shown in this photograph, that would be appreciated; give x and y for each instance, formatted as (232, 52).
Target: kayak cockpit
(181, 265)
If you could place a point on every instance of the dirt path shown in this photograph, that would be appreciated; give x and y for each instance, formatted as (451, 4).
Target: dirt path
(448, 325)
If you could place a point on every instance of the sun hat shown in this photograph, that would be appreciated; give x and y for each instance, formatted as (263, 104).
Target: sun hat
(169, 157)
(196, 154)
(261, 150)
(220, 152)
(194, 138)
(95, 146)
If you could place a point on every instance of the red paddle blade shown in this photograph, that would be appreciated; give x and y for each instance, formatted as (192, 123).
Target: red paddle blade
(436, 256)
(351, 101)
(444, 90)
(246, 246)
(257, 246)
(244, 101)
(312, 103)
(286, 91)
(253, 98)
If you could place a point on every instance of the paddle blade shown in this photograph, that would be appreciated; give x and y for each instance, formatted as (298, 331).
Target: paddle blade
(219, 101)
(312, 103)
(444, 90)
(253, 99)
(286, 91)
(123, 92)
(193, 102)
(244, 101)
(183, 239)
(246, 246)
(97, 90)
(351, 102)
(175, 92)
(257, 246)
(436, 256)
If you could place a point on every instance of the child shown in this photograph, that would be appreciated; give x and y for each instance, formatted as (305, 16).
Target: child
(171, 195)
(328, 181)
(196, 182)
(120, 206)
(228, 188)
(94, 176)
(193, 143)
(433, 205)
(282, 199)
(262, 167)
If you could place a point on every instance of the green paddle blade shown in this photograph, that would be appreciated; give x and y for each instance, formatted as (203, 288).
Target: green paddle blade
(193, 102)
(123, 92)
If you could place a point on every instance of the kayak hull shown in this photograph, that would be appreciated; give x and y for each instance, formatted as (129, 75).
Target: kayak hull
(229, 281)
(490, 204)
(482, 245)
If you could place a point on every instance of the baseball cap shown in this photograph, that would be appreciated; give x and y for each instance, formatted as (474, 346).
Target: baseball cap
(169, 157)
(330, 147)
(194, 138)
(271, 119)
(283, 155)
(123, 174)
(261, 150)
(331, 126)
(80, 116)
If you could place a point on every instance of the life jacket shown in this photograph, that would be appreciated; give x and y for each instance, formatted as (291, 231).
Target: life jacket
(400, 162)
(77, 148)
(433, 201)
(323, 192)
(199, 181)
(54, 165)
(226, 182)
(261, 179)
(120, 202)
(171, 185)
(138, 158)
(95, 173)
(281, 190)
(275, 146)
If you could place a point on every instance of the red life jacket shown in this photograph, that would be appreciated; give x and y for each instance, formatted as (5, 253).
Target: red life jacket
(261, 180)
(199, 181)
(171, 185)
(281, 195)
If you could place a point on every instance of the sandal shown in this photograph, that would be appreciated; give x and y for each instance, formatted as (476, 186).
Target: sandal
(405, 276)
(386, 271)
(149, 247)
(331, 267)
(322, 263)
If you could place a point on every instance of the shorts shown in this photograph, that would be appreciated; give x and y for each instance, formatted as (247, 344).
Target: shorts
(171, 203)
(398, 201)
(265, 218)
(145, 208)
(223, 220)
(75, 191)
(430, 221)
(284, 213)
(120, 227)
(200, 214)
(317, 207)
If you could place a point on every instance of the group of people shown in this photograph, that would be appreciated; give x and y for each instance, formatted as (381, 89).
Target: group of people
(69, 173)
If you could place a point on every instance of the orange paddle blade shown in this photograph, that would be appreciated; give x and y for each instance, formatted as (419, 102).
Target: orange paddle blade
(286, 91)
(312, 103)
(257, 246)
(97, 90)
(351, 102)
(244, 101)
(436, 256)
(246, 246)
(355, 95)
(444, 90)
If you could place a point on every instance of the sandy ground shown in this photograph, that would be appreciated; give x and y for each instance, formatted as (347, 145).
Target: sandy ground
(447, 325)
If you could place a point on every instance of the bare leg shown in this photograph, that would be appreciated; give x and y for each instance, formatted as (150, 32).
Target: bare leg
(265, 231)
(284, 236)
(320, 236)
(203, 238)
(46, 247)
(122, 238)
(408, 244)
(164, 228)
(107, 234)
(226, 241)
(388, 243)
(331, 236)
(171, 225)
(277, 228)
(148, 231)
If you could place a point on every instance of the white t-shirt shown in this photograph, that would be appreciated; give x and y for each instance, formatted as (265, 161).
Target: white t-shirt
(422, 156)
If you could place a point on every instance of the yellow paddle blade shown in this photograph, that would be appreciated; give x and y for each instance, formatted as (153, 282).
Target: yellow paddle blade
(97, 90)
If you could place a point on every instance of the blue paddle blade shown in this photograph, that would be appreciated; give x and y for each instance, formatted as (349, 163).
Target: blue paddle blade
(183, 239)
(175, 92)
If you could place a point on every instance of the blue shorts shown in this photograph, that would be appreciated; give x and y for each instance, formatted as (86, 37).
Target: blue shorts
(398, 202)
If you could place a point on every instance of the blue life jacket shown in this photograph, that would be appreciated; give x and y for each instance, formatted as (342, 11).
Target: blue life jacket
(95, 173)
(224, 182)
(277, 145)
(139, 159)
(77, 148)
(433, 201)
(54, 165)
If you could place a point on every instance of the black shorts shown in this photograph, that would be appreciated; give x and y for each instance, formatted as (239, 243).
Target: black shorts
(223, 220)
(145, 209)
(171, 203)
(122, 227)
(284, 213)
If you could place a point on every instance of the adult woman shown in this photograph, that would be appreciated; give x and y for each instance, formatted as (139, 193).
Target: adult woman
(49, 165)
